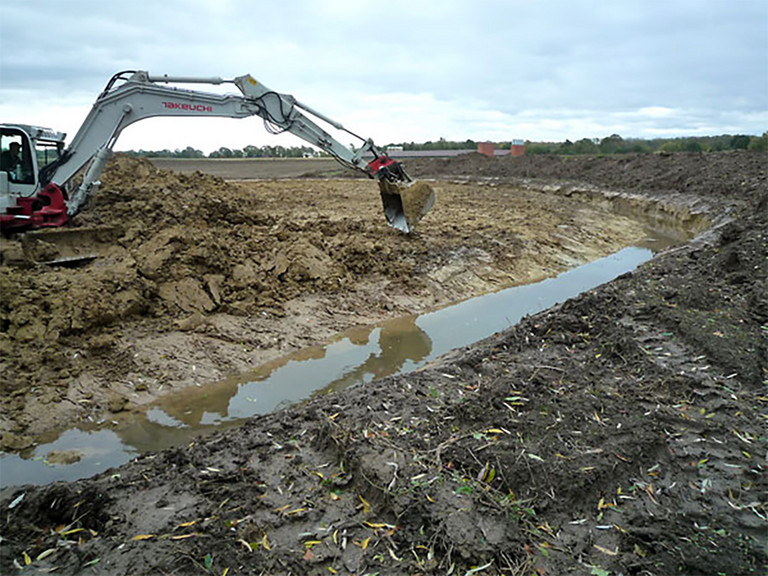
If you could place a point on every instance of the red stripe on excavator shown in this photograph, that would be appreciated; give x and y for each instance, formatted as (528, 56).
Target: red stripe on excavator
(379, 163)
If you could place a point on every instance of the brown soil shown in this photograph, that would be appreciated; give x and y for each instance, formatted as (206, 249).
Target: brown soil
(197, 279)
(621, 432)
(256, 168)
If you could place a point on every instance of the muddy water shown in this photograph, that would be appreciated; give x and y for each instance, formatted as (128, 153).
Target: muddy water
(357, 356)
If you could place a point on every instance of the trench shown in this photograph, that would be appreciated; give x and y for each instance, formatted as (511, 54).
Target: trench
(354, 357)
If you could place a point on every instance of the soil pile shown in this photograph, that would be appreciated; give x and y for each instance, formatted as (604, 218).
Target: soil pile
(622, 432)
(186, 278)
(734, 177)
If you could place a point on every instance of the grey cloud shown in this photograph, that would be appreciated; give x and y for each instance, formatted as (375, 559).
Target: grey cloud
(577, 55)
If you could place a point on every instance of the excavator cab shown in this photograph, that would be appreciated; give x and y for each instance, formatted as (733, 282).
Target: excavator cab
(25, 151)
(16, 159)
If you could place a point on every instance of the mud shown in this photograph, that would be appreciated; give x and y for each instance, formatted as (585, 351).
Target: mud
(621, 432)
(186, 279)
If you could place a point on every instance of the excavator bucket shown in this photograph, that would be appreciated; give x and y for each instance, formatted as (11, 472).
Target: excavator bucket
(405, 203)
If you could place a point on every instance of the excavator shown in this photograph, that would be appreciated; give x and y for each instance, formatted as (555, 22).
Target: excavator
(37, 170)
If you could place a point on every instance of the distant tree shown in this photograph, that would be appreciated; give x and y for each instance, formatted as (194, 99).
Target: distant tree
(585, 146)
(566, 147)
(671, 146)
(188, 152)
(759, 143)
(635, 146)
(692, 145)
(222, 152)
(718, 143)
(740, 142)
(612, 144)
(251, 151)
(539, 147)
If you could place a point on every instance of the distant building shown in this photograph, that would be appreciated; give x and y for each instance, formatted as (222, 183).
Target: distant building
(489, 149)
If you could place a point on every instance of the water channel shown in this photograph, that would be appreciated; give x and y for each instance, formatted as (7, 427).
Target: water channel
(357, 356)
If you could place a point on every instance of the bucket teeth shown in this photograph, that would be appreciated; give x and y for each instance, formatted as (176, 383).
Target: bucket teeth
(406, 204)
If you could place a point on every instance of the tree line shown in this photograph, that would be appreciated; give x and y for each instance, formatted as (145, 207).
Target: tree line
(613, 144)
(224, 152)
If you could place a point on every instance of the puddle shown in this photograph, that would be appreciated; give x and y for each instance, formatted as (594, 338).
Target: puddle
(358, 356)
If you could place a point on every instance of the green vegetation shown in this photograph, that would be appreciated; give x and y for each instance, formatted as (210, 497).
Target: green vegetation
(224, 152)
(443, 144)
(613, 144)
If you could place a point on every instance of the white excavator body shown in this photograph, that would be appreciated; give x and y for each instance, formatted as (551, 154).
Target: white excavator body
(37, 171)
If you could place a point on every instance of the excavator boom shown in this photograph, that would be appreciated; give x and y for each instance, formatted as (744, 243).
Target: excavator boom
(132, 96)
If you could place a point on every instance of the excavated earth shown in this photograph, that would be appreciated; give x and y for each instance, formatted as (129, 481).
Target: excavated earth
(195, 278)
(621, 432)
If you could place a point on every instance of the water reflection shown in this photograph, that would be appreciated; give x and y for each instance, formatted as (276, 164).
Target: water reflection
(402, 346)
(98, 450)
(360, 355)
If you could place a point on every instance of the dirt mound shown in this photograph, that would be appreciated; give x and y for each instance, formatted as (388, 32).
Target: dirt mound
(182, 244)
(734, 176)
(185, 278)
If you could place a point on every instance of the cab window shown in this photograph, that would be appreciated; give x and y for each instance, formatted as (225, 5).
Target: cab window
(16, 158)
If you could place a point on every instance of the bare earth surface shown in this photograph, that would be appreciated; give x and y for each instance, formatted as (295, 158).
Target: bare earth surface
(256, 168)
(622, 432)
(198, 278)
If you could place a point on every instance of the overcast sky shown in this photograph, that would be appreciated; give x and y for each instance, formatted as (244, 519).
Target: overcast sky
(402, 71)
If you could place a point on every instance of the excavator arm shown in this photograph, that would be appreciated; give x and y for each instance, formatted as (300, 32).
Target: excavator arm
(136, 95)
